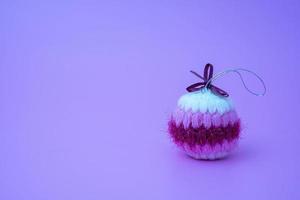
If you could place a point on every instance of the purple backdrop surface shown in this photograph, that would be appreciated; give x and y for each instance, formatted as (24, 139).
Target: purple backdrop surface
(86, 89)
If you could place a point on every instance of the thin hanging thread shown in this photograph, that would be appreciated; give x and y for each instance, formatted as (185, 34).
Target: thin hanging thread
(208, 78)
(237, 71)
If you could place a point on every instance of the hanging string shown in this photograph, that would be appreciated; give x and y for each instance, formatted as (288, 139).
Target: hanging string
(208, 78)
(237, 71)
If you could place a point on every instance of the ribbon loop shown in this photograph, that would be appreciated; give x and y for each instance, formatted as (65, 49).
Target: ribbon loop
(208, 71)
(196, 87)
(207, 76)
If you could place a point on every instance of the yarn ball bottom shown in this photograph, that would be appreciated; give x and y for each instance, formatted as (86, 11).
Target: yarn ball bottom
(205, 143)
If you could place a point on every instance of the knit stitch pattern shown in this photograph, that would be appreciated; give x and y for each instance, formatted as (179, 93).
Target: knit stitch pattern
(204, 125)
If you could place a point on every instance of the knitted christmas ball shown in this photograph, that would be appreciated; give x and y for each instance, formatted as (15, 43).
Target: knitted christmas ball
(205, 124)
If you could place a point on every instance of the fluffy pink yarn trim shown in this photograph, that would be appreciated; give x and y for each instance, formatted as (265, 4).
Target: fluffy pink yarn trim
(205, 135)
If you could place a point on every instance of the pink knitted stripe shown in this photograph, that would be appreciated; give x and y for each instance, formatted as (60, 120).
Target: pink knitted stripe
(197, 119)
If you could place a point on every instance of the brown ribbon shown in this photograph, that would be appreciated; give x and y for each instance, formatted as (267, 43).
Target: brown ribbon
(208, 74)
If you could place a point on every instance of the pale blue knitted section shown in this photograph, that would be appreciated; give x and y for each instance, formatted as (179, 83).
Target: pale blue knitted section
(205, 101)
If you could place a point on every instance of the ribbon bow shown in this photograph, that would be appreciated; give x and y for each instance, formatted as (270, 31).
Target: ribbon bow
(207, 78)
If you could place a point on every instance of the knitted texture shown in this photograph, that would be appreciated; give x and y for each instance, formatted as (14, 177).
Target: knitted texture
(205, 125)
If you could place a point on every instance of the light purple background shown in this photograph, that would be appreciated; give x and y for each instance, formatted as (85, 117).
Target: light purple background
(86, 89)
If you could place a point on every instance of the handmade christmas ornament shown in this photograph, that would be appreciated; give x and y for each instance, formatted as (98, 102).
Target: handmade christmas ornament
(205, 123)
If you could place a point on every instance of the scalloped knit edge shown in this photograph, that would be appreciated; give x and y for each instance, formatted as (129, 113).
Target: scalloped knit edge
(204, 101)
(196, 119)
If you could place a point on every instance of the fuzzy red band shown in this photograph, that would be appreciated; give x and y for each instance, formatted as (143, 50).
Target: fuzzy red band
(202, 135)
